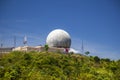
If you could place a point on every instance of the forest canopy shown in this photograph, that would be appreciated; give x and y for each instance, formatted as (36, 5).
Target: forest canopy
(57, 66)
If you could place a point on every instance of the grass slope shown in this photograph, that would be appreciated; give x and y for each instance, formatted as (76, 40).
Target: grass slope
(56, 66)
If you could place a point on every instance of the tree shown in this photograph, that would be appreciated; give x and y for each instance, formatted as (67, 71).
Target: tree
(46, 47)
(97, 59)
(87, 52)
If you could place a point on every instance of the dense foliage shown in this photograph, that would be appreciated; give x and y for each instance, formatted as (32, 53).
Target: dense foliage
(56, 66)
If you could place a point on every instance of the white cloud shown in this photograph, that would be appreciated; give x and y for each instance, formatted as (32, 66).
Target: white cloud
(73, 50)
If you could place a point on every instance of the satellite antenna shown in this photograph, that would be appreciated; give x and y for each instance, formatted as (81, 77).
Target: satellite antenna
(82, 47)
(25, 40)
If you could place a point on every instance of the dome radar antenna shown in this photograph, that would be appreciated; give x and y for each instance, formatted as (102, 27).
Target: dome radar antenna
(58, 38)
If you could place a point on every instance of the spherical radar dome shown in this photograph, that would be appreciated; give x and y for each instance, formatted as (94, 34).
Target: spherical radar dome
(58, 38)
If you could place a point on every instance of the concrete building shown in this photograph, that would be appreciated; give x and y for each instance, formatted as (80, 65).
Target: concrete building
(6, 50)
(39, 49)
(58, 40)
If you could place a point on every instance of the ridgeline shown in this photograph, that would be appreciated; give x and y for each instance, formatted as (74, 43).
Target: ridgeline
(57, 66)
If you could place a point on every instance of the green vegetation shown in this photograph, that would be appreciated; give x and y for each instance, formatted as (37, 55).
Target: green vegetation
(46, 47)
(57, 66)
(87, 52)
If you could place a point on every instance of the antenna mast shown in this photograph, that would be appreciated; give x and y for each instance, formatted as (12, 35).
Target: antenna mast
(25, 40)
(82, 47)
(14, 41)
(1, 44)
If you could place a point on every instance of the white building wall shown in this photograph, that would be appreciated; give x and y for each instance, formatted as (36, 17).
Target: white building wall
(39, 49)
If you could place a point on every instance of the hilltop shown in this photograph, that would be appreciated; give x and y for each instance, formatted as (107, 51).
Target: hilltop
(57, 66)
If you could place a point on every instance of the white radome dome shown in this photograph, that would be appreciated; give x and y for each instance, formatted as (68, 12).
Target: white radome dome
(58, 38)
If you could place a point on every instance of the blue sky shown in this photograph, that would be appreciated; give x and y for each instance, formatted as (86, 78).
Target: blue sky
(96, 22)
